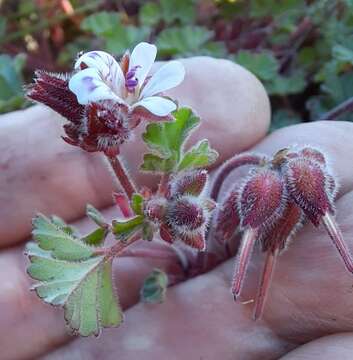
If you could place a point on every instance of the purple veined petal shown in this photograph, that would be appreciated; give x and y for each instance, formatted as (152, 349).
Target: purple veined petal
(157, 105)
(88, 86)
(106, 66)
(143, 56)
(167, 77)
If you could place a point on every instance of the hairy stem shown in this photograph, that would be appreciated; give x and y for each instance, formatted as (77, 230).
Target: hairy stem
(247, 245)
(121, 174)
(337, 238)
(345, 107)
(149, 253)
(162, 188)
(230, 165)
(265, 283)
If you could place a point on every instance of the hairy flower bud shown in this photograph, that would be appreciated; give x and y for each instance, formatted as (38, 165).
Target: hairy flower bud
(53, 90)
(281, 231)
(185, 214)
(227, 220)
(155, 209)
(190, 182)
(261, 198)
(309, 186)
(103, 128)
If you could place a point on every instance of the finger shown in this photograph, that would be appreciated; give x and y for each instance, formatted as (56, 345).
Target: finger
(198, 320)
(337, 346)
(22, 312)
(42, 173)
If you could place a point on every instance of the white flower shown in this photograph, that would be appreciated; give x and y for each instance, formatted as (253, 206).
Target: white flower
(100, 77)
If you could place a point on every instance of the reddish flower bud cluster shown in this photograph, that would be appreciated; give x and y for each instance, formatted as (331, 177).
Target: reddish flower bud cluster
(272, 204)
(98, 126)
(183, 212)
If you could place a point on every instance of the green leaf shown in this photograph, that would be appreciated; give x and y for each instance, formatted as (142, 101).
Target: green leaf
(150, 14)
(264, 65)
(154, 287)
(54, 238)
(283, 118)
(96, 216)
(201, 155)
(10, 78)
(281, 85)
(184, 41)
(124, 228)
(335, 90)
(84, 288)
(125, 37)
(178, 10)
(117, 36)
(167, 139)
(157, 164)
(137, 204)
(343, 53)
(56, 220)
(3, 24)
(101, 23)
(261, 8)
(96, 237)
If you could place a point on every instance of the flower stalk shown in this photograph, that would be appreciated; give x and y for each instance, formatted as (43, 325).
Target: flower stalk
(122, 176)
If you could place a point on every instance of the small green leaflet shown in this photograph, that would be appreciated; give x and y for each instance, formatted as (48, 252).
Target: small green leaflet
(96, 216)
(96, 237)
(137, 204)
(154, 287)
(155, 163)
(69, 275)
(199, 156)
(122, 229)
(167, 139)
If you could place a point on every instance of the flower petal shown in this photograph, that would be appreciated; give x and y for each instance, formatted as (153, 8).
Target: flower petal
(106, 66)
(143, 56)
(157, 105)
(88, 86)
(168, 76)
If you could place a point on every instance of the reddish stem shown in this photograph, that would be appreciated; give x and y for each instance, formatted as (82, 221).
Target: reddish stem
(121, 174)
(118, 247)
(343, 108)
(163, 185)
(230, 165)
(149, 253)
(265, 283)
(337, 238)
(246, 247)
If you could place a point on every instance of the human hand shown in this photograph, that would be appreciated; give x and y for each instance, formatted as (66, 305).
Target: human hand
(199, 317)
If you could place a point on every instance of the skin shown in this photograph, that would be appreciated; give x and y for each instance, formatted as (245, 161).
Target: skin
(309, 310)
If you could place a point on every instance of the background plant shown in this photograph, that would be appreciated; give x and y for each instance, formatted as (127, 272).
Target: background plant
(301, 50)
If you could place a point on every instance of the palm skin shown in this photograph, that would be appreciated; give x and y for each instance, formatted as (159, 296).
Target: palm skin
(311, 293)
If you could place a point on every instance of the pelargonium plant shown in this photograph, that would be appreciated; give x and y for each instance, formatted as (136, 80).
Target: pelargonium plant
(103, 102)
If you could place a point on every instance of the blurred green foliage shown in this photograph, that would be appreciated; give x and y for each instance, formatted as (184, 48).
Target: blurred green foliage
(302, 50)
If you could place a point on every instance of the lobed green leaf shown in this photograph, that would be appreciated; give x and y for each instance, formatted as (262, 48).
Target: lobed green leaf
(56, 239)
(167, 140)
